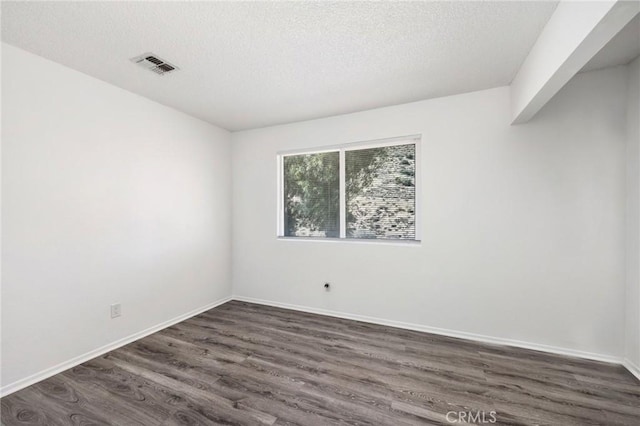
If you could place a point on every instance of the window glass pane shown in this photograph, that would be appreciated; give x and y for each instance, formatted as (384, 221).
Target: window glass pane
(380, 196)
(312, 195)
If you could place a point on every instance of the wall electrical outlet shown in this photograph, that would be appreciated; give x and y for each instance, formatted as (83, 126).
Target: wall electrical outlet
(116, 310)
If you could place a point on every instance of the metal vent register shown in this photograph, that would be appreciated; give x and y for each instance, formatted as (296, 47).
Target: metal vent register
(154, 63)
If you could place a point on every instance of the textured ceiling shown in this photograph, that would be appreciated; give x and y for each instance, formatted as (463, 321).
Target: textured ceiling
(621, 50)
(247, 65)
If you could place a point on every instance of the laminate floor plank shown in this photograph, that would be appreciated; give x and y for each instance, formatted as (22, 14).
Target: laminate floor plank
(361, 404)
(31, 408)
(248, 364)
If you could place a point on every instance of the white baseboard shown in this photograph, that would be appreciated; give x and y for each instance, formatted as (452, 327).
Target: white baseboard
(45, 374)
(441, 331)
(42, 375)
(634, 369)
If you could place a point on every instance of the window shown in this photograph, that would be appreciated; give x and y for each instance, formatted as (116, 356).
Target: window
(358, 191)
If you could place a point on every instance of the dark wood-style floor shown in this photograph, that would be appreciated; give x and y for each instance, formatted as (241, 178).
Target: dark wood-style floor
(246, 364)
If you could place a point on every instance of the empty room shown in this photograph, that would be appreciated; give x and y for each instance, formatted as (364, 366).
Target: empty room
(320, 213)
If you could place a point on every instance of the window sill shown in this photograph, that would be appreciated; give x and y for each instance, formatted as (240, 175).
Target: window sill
(383, 242)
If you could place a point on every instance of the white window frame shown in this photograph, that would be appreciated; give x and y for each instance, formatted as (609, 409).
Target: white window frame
(342, 149)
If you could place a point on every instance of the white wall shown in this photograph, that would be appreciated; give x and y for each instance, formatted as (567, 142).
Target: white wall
(523, 225)
(632, 351)
(107, 197)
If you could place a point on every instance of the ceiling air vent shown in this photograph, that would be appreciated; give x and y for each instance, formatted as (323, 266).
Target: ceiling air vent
(153, 63)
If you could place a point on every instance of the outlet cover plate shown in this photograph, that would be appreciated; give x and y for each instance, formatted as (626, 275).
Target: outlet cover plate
(116, 310)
